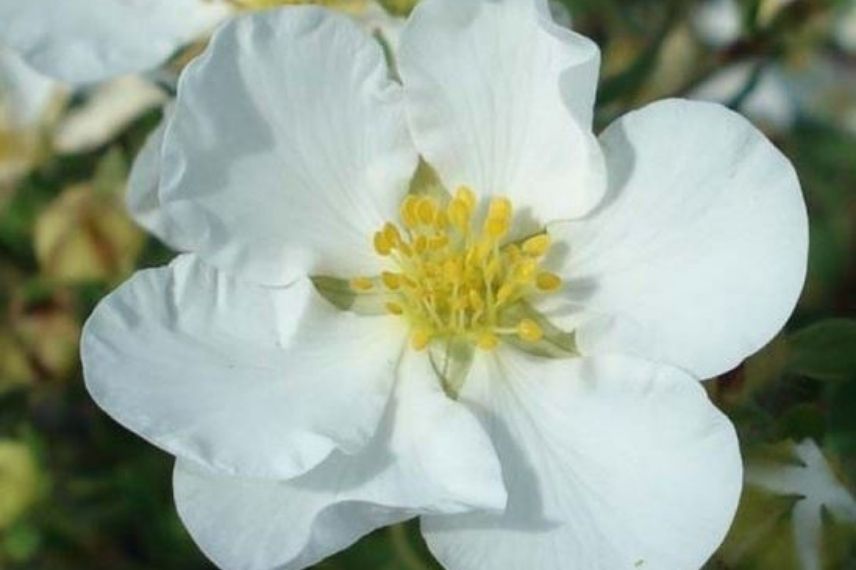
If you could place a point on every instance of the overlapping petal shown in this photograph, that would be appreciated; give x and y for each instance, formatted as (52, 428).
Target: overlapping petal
(698, 254)
(499, 98)
(84, 41)
(238, 378)
(609, 463)
(288, 148)
(143, 198)
(430, 455)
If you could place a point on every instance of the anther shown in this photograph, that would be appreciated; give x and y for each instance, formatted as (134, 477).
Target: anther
(528, 330)
(408, 211)
(382, 244)
(547, 281)
(420, 339)
(394, 308)
(466, 196)
(537, 245)
(426, 210)
(486, 340)
(391, 280)
(361, 284)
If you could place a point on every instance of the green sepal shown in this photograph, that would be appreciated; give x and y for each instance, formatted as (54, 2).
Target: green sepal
(342, 296)
(451, 361)
(426, 182)
(556, 343)
(401, 8)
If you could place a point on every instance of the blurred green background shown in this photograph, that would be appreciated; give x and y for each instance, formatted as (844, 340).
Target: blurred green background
(79, 492)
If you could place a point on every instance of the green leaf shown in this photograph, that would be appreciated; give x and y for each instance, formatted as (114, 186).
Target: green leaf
(761, 536)
(825, 350)
(838, 545)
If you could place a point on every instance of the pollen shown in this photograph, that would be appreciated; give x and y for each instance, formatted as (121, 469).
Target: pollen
(452, 272)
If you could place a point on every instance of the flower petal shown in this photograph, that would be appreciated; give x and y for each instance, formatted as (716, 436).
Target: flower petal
(84, 41)
(288, 148)
(143, 199)
(698, 254)
(609, 463)
(499, 98)
(429, 456)
(25, 95)
(238, 378)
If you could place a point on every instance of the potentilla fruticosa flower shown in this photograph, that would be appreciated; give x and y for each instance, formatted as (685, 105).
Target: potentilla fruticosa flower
(445, 297)
(89, 41)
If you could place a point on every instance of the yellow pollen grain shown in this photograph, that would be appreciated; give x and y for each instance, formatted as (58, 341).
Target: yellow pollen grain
(361, 284)
(408, 211)
(466, 196)
(426, 210)
(528, 330)
(391, 280)
(394, 308)
(382, 245)
(419, 339)
(537, 245)
(487, 340)
(547, 281)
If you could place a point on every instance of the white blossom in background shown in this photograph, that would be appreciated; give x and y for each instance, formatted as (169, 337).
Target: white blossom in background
(514, 359)
(36, 120)
(818, 488)
(28, 104)
(89, 41)
(817, 85)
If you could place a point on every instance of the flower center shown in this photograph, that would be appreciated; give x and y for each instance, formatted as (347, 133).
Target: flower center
(454, 277)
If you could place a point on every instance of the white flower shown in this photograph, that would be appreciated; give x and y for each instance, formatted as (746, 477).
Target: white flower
(675, 246)
(818, 488)
(88, 41)
(34, 116)
(28, 101)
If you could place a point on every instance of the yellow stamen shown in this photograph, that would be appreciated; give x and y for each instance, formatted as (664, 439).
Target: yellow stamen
(420, 339)
(454, 277)
(528, 330)
(487, 341)
(394, 308)
(382, 244)
(361, 284)
(547, 281)
(391, 280)
(537, 245)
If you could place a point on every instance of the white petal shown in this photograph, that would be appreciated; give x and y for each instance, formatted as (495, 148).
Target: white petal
(288, 148)
(500, 98)
(429, 456)
(25, 94)
(698, 254)
(108, 111)
(143, 199)
(84, 41)
(238, 378)
(610, 463)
